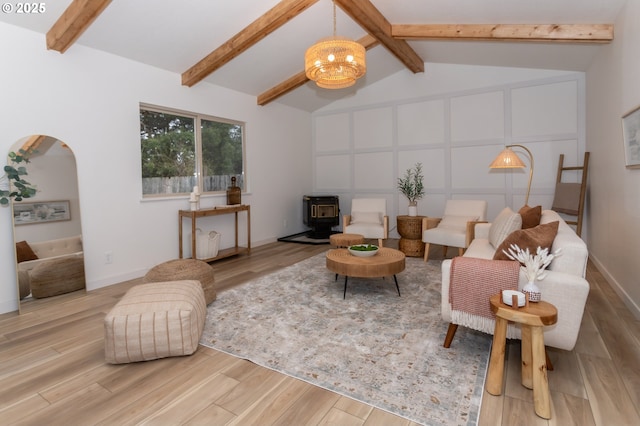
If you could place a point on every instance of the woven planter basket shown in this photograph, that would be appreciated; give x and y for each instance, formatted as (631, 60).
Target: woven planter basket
(185, 269)
(410, 228)
(411, 248)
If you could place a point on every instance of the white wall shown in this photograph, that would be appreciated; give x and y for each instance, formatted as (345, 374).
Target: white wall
(90, 100)
(455, 126)
(613, 88)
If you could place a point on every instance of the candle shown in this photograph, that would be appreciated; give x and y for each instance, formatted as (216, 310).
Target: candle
(192, 197)
(196, 190)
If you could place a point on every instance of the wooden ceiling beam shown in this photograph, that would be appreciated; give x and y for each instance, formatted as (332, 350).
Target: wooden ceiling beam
(253, 33)
(283, 88)
(73, 22)
(368, 17)
(587, 33)
(300, 78)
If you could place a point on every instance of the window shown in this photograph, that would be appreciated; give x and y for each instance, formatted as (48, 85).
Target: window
(181, 150)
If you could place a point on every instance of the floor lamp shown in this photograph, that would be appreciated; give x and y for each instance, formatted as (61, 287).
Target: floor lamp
(508, 159)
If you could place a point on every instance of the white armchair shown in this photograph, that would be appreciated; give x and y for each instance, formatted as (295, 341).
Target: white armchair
(368, 218)
(455, 229)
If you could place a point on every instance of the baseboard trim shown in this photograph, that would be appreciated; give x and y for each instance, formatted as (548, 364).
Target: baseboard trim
(115, 279)
(620, 291)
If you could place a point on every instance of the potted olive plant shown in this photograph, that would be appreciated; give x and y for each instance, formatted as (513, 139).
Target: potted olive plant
(14, 174)
(412, 187)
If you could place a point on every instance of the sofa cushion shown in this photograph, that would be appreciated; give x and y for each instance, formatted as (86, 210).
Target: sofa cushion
(456, 222)
(532, 238)
(530, 216)
(503, 225)
(366, 217)
(24, 252)
(574, 250)
(51, 248)
(445, 237)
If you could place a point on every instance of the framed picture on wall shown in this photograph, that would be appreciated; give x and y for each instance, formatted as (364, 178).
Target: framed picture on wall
(41, 212)
(631, 135)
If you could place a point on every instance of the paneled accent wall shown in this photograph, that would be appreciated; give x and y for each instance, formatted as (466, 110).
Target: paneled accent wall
(361, 151)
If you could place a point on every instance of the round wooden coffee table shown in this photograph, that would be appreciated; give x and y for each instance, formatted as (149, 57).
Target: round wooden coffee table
(386, 262)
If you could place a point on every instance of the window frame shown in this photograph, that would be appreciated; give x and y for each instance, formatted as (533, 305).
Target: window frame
(197, 117)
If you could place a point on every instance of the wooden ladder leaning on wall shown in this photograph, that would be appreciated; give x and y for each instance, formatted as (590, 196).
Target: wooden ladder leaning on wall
(570, 196)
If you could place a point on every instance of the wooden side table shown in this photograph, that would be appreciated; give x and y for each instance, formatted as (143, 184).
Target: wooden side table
(532, 316)
(410, 230)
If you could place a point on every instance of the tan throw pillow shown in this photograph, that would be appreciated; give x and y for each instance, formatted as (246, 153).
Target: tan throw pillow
(532, 238)
(24, 252)
(530, 216)
(503, 225)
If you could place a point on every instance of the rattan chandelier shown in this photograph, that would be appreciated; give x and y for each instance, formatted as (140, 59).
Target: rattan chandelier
(335, 62)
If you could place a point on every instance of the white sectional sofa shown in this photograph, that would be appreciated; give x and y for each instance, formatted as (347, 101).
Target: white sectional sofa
(564, 286)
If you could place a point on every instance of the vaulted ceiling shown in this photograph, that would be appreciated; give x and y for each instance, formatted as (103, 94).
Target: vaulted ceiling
(257, 46)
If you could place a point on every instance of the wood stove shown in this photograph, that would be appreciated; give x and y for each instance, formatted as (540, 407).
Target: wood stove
(320, 213)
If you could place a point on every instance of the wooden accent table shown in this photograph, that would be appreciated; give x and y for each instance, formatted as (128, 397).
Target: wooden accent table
(195, 214)
(386, 262)
(410, 230)
(533, 317)
(345, 240)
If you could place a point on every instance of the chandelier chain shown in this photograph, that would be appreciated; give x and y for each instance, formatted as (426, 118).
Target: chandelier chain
(334, 18)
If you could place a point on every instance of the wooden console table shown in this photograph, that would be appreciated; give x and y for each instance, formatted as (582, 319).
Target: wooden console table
(195, 214)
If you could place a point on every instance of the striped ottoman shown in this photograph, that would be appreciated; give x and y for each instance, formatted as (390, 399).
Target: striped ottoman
(156, 320)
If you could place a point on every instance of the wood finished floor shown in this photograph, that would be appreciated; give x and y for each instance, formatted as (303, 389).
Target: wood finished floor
(52, 369)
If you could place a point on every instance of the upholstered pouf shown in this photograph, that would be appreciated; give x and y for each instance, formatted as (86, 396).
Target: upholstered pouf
(345, 240)
(185, 269)
(155, 320)
(57, 276)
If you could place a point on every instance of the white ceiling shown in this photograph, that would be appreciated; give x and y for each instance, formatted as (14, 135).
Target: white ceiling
(175, 35)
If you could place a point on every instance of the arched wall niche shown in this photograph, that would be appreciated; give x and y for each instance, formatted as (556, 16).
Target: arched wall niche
(52, 214)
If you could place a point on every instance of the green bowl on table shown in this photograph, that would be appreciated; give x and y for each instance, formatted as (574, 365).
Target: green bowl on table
(363, 250)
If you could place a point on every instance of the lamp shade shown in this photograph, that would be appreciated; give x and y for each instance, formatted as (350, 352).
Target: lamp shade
(507, 159)
(335, 62)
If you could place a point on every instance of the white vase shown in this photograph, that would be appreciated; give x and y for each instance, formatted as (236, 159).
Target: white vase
(413, 210)
(532, 291)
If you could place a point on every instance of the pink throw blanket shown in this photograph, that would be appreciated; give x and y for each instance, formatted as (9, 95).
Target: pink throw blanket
(474, 281)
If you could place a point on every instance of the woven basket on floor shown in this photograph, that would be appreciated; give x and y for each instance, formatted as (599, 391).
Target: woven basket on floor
(185, 269)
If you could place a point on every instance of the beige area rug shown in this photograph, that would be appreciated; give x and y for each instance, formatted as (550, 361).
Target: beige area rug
(373, 346)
